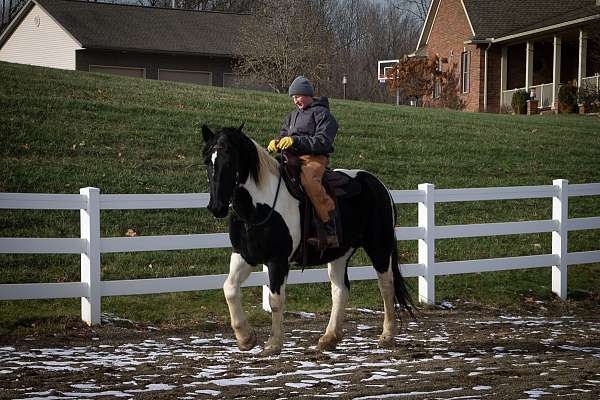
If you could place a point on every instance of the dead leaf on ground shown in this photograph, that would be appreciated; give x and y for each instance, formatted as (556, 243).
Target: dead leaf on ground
(131, 233)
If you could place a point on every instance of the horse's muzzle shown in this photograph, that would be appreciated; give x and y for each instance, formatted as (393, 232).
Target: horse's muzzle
(219, 211)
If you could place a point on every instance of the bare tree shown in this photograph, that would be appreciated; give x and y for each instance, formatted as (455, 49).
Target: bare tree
(416, 8)
(202, 5)
(367, 32)
(8, 10)
(284, 39)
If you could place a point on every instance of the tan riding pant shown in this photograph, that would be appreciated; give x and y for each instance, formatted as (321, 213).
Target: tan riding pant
(311, 176)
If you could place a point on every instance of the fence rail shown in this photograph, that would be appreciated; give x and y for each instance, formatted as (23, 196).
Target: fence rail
(90, 245)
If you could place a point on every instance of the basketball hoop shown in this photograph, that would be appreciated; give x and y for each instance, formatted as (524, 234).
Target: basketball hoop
(382, 67)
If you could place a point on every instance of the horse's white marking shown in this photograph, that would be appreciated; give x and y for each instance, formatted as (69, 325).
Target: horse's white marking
(277, 304)
(350, 172)
(213, 159)
(386, 287)
(287, 206)
(339, 294)
(239, 270)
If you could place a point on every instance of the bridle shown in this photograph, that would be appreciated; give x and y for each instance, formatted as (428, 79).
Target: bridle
(252, 224)
(216, 147)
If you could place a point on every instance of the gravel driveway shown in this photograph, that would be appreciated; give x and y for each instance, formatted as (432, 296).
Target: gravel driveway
(444, 354)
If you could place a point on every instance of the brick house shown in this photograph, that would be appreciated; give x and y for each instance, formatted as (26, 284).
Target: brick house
(153, 43)
(497, 47)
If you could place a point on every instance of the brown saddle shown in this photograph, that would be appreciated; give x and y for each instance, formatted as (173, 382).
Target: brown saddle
(337, 184)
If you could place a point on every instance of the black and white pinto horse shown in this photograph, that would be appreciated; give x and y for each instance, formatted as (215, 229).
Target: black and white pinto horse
(264, 228)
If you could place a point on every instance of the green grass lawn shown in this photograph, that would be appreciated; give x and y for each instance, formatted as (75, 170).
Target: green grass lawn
(63, 130)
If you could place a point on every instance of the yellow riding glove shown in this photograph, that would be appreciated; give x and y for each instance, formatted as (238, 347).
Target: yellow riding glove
(272, 147)
(285, 143)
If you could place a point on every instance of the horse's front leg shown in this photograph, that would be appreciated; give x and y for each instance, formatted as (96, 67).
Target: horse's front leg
(239, 270)
(278, 272)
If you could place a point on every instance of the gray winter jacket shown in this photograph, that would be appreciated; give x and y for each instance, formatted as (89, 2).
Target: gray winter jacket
(313, 128)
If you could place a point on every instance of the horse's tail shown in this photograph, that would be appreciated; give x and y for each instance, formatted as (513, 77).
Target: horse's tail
(403, 299)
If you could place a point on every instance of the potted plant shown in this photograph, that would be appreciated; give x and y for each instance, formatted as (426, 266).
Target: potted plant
(588, 97)
(567, 98)
(519, 101)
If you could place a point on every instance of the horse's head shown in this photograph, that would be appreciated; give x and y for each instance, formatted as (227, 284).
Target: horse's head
(226, 155)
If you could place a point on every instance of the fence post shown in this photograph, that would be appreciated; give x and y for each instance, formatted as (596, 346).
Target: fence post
(266, 305)
(426, 211)
(560, 213)
(90, 259)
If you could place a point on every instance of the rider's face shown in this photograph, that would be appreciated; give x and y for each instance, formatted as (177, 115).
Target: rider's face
(302, 101)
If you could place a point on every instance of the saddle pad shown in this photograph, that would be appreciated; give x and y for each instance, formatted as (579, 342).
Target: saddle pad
(342, 184)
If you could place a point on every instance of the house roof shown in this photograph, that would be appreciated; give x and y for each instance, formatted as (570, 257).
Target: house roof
(493, 19)
(146, 29)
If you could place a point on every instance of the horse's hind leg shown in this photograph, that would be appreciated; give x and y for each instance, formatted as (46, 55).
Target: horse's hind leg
(382, 261)
(339, 297)
(390, 326)
(239, 270)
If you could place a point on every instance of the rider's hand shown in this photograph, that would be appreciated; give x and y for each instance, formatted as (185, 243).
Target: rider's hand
(272, 147)
(285, 143)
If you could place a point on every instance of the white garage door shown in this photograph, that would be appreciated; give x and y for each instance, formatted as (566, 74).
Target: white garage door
(124, 71)
(199, 77)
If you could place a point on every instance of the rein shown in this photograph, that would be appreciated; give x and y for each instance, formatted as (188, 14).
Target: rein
(253, 225)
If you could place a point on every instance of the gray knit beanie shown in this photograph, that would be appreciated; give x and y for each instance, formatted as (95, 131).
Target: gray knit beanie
(301, 86)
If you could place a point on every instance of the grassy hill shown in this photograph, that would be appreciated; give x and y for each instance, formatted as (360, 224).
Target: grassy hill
(63, 130)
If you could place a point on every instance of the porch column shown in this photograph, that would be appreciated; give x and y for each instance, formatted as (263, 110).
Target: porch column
(503, 75)
(528, 66)
(556, 71)
(581, 71)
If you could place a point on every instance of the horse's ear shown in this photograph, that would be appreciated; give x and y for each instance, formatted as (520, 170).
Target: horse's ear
(207, 134)
(241, 127)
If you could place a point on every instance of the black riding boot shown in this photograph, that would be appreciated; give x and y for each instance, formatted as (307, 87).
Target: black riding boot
(326, 234)
(330, 237)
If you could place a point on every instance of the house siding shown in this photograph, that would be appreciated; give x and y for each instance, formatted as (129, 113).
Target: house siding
(446, 39)
(216, 66)
(44, 44)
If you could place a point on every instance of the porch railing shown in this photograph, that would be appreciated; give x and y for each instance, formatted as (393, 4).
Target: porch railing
(543, 93)
(591, 82)
(507, 96)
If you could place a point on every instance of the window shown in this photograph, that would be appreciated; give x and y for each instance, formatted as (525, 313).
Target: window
(465, 66)
(437, 88)
(437, 82)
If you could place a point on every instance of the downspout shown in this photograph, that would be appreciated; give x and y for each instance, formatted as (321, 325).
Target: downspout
(485, 78)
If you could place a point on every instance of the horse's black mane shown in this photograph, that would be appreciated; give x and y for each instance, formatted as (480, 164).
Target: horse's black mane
(249, 159)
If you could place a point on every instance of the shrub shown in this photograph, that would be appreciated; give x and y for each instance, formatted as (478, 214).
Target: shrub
(589, 97)
(567, 98)
(519, 102)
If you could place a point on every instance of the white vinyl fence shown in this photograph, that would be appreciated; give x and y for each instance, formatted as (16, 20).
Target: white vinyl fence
(90, 245)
